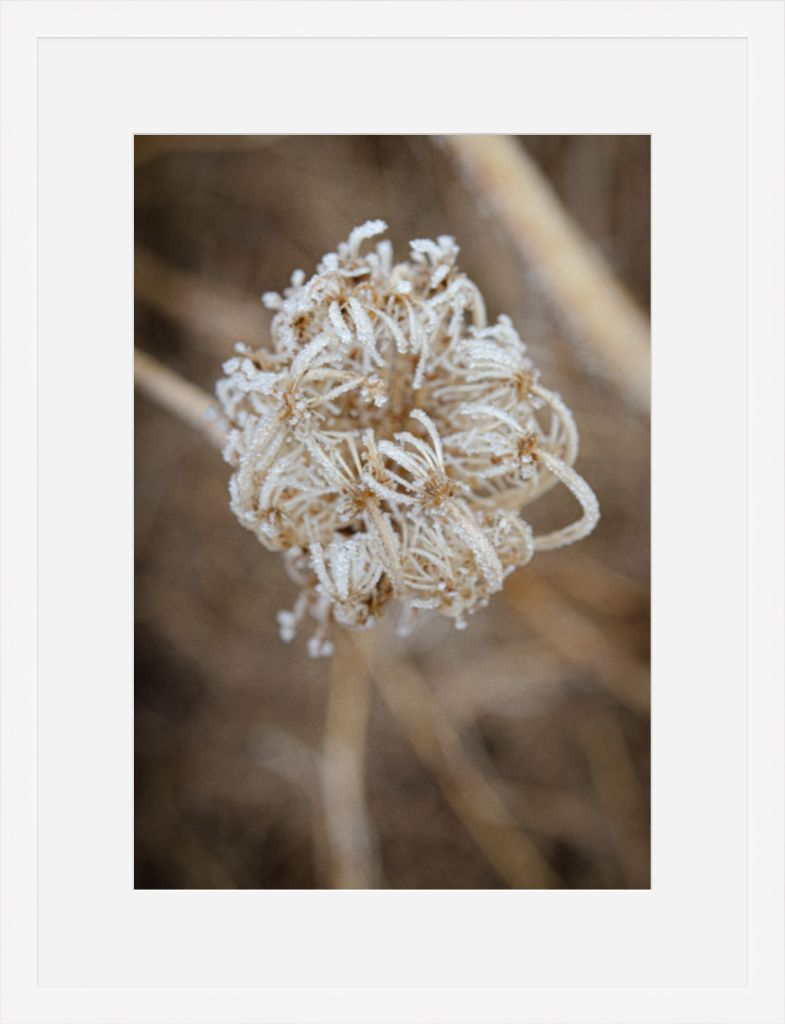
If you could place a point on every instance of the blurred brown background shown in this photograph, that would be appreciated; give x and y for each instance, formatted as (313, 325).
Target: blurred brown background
(547, 690)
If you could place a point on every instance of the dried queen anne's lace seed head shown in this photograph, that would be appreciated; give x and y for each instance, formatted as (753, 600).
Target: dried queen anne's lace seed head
(388, 438)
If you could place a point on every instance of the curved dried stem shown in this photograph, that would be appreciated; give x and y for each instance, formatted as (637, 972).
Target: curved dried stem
(585, 496)
(500, 170)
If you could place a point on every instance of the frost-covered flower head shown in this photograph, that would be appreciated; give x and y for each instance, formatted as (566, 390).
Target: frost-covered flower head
(388, 438)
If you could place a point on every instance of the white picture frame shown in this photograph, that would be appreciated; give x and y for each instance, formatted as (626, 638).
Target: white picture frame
(706, 943)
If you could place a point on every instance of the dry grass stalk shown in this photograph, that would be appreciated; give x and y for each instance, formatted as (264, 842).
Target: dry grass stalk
(499, 169)
(204, 310)
(466, 787)
(619, 794)
(184, 400)
(353, 863)
(592, 584)
(580, 642)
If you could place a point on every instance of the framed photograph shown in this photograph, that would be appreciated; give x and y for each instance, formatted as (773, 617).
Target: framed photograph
(392, 512)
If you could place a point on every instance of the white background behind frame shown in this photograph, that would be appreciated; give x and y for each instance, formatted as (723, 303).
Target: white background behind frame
(419, 938)
(98, 934)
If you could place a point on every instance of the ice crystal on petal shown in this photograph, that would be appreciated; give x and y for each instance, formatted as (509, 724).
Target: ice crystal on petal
(388, 438)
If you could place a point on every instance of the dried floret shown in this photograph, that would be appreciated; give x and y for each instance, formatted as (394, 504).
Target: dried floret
(388, 438)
